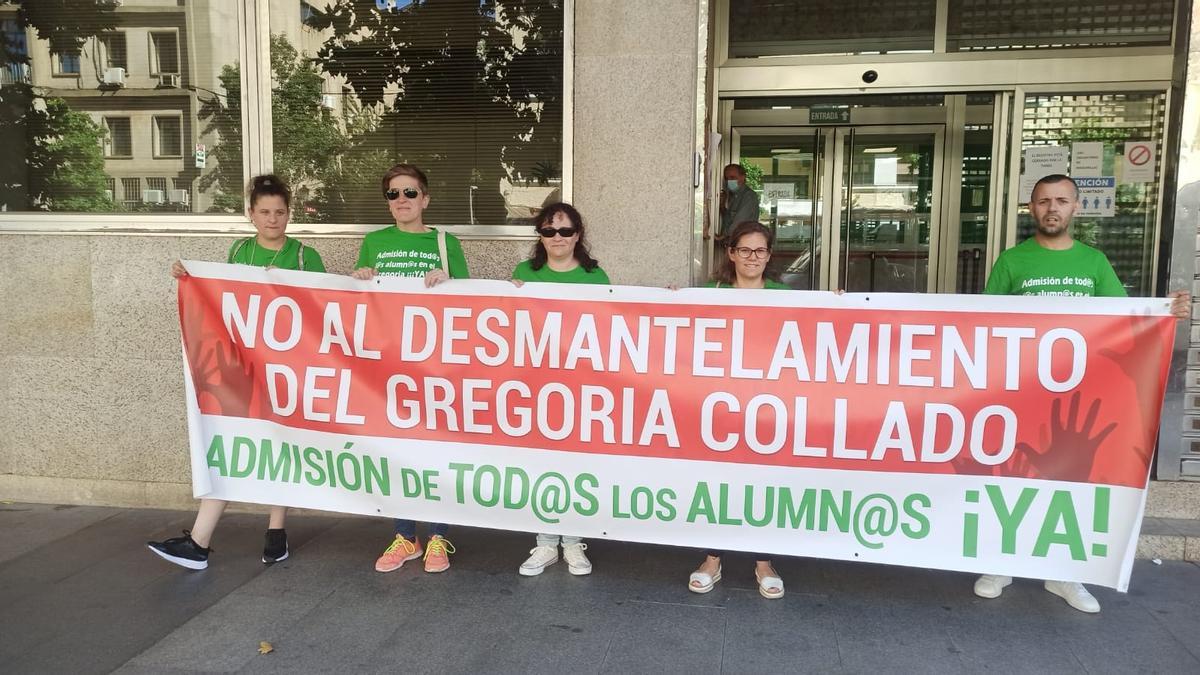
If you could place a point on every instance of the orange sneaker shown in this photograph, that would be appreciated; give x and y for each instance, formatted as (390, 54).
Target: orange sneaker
(397, 553)
(437, 554)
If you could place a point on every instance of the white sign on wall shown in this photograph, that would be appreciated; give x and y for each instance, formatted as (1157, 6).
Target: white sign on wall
(773, 192)
(1041, 161)
(1097, 196)
(1137, 165)
(1087, 159)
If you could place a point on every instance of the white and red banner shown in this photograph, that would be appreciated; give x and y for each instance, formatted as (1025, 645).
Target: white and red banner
(1008, 435)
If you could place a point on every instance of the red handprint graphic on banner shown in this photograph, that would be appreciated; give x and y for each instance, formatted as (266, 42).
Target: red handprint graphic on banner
(219, 371)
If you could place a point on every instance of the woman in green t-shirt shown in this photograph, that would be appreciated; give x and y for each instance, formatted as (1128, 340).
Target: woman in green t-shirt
(745, 265)
(270, 203)
(411, 248)
(560, 255)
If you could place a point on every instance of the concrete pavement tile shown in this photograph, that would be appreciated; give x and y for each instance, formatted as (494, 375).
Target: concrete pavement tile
(1168, 592)
(1123, 637)
(225, 637)
(796, 633)
(28, 526)
(667, 638)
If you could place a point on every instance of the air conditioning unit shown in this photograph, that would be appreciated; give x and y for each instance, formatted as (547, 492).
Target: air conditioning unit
(179, 196)
(153, 196)
(169, 80)
(328, 101)
(114, 76)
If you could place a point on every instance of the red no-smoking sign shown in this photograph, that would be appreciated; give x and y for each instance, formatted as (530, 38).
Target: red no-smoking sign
(1139, 154)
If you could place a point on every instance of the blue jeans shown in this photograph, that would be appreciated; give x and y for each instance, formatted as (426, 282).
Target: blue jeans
(408, 529)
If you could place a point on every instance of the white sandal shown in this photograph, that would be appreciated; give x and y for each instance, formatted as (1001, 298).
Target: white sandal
(706, 582)
(769, 587)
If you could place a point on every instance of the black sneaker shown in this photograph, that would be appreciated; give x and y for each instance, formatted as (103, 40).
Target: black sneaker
(183, 551)
(275, 548)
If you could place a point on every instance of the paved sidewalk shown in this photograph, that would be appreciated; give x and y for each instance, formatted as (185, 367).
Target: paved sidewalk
(79, 593)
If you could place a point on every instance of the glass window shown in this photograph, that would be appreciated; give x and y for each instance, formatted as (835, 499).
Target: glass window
(119, 139)
(168, 137)
(469, 91)
(93, 143)
(975, 25)
(794, 27)
(13, 56)
(131, 189)
(115, 53)
(66, 63)
(164, 53)
(1110, 123)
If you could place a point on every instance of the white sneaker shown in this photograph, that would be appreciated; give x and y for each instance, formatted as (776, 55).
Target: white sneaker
(1075, 594)
(991, 585)
(540, 558)
(577, 562)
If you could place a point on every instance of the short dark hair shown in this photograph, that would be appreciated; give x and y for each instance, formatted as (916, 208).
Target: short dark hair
(404, 169)
(1052, 179)
(740, 169)
(538, 257)
(268, 185)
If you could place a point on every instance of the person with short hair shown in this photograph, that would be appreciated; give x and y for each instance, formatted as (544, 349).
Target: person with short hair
(269, 210)
(560, 255)
(745, 265)
(1053, 263)
(411, 249)
(739, 203)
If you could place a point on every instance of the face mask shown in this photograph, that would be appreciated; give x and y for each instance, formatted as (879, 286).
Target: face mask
(731, 185)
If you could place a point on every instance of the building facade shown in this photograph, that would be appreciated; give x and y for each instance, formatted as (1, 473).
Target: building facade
(892, 146)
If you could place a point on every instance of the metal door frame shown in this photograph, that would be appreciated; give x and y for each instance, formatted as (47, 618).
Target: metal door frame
(826, 172)
(841, 212)
(830, 212)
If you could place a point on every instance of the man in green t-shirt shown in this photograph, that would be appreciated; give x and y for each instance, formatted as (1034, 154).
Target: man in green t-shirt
(1052, 263)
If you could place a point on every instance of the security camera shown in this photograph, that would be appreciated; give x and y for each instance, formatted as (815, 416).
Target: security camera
(870, 76)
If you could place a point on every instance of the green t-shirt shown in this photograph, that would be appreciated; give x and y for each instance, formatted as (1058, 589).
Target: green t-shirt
(768, 284)
(1030, 269)
(293, 255)
(525, 272)
(396, 253)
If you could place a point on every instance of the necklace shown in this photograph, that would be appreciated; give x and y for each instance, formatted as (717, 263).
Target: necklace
(272, 263)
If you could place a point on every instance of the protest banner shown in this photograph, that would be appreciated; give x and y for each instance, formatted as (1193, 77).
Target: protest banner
(1009, 435)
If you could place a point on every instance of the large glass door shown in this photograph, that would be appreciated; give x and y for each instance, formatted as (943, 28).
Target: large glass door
(851, 207)
(788, 168)
(888, 202)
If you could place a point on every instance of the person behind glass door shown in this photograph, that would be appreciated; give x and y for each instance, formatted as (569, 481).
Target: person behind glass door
(560, 255)
(1053, 263)
(411, 249)
(739, 204)
(270, 203)
(745, 265)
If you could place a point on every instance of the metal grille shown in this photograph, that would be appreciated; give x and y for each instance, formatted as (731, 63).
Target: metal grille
(778, 27)
(975, 25)
(131, 189)
(1128, 237)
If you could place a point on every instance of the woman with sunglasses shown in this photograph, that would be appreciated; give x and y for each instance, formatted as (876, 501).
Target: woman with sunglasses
(270, 203)
(560, 255)
(743, 266)
(411, 249)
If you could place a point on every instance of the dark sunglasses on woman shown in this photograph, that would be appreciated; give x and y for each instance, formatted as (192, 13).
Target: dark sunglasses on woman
(394, 194)
(549, 232)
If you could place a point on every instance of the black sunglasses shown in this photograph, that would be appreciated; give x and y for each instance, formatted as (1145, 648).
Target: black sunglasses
(394, 194)
(549, 232)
